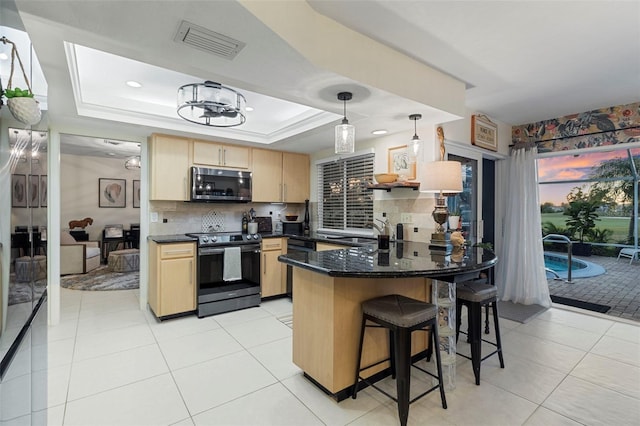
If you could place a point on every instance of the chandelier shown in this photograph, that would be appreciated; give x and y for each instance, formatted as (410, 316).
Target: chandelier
(211, 104)
(132, 163)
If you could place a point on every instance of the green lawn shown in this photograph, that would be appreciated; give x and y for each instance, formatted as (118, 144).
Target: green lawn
(619, 225)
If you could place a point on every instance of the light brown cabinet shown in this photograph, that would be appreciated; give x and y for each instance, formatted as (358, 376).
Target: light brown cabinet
(266, 179)
(279, 176)
(169, 158)
(219, 155)
(273, 273)
(172, 278)
(295, 177)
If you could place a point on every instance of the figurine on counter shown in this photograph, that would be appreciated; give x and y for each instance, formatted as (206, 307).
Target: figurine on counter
(457, 239)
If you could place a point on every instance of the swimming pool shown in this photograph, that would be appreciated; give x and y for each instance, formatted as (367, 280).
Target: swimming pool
(579, 268)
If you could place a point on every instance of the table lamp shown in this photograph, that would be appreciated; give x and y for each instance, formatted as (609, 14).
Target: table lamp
(445, 178)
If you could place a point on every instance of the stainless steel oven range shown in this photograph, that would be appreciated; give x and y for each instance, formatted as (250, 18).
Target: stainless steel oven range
(241, 288)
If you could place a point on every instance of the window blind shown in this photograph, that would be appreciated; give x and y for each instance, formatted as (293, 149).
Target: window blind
(344, 201)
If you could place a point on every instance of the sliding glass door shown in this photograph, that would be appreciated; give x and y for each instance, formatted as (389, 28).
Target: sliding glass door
(477, 200)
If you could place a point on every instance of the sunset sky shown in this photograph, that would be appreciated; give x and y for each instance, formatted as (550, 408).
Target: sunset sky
(569, 167)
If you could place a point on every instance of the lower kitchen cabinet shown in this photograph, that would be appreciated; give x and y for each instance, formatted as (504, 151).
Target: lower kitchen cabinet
(172, 278)
(273, 274)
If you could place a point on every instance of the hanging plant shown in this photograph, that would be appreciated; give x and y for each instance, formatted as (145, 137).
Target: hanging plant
(23, 106)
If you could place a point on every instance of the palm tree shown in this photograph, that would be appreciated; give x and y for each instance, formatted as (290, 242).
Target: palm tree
(618, 189)
(551, 228)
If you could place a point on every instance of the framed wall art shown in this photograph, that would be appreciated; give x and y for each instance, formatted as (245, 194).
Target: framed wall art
(112, 192)
(484, 132)
(399, 162)
(34, 191)
(43, 190)
(136, 194)
(18, 190)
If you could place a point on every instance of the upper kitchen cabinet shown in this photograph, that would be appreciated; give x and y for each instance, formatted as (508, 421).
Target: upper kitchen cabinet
(279, 176)
(218, 155)
(170, 160)
(267, 176)
(295, 177)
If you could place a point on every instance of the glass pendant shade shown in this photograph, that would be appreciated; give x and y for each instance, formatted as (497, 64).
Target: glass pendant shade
(414, 149)
(345, 138)
(345, 133)
(211, 104)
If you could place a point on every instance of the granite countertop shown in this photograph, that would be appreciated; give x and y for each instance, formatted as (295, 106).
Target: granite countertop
(177, 238)
(341, 240)
(404, 259)
(338, 240)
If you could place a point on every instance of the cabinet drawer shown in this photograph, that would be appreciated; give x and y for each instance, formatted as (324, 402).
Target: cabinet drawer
(172, 251)
(271, 244)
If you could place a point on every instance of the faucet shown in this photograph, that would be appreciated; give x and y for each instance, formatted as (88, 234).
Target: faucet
(385, 229)
(373, 225)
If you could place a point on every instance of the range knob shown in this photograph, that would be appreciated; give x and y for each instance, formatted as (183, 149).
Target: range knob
(255, 236)
(214, 239)
(205, 239)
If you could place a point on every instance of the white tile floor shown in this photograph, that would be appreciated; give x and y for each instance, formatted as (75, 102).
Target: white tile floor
(112, 364)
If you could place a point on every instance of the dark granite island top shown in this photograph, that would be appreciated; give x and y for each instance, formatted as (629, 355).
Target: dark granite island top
(404, 259)
(329, 287)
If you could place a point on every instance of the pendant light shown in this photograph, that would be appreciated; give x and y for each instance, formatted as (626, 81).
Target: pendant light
(416, 143)
(345, 132)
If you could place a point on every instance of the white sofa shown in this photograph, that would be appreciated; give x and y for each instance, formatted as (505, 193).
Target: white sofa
(78, 257)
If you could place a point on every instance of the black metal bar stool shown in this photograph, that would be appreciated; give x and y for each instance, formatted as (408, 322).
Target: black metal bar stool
(475, 295)
(401, 316)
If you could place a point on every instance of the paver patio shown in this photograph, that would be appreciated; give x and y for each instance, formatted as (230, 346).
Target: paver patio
(618, 287)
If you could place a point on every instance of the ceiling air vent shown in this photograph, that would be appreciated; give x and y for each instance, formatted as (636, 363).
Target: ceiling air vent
(207, 40)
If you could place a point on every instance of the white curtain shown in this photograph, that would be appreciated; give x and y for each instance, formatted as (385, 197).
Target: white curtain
(521, 276)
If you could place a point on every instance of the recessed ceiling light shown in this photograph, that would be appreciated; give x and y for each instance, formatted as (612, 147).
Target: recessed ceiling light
(379, 132)
(4, 56)
(248, 108)
(111, 153)
(134, 84)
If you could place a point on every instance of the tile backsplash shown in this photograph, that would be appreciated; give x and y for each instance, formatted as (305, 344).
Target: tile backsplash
(182, 217)
(420, 210)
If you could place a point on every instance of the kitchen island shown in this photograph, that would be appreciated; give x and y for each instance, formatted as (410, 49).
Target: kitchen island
(329, 286)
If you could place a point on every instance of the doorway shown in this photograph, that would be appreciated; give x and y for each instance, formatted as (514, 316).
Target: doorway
(100, 185)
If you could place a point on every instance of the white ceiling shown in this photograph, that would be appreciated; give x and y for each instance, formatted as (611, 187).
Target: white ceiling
(520, 61)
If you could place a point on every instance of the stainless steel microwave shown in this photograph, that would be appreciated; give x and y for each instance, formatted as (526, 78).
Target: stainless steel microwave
(211, 185)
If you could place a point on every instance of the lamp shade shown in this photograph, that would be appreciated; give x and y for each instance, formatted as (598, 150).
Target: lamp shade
(442, 176)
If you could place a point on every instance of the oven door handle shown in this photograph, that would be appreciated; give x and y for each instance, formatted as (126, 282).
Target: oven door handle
(206, 251)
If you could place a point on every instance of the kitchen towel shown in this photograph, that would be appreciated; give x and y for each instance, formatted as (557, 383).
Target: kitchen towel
(232, 270)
